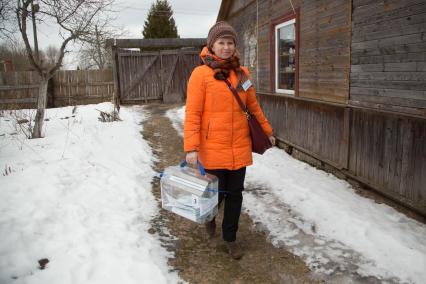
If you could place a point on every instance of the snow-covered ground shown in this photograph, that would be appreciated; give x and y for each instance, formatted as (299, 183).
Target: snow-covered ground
(320, 218)
(80, 197)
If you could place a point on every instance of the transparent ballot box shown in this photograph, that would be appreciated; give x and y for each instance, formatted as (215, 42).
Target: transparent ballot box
(190, 193)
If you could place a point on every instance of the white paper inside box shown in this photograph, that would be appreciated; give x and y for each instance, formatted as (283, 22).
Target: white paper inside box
(186, 192)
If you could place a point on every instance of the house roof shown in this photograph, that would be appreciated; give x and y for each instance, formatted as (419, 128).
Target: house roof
(225, 7)
(230, 7)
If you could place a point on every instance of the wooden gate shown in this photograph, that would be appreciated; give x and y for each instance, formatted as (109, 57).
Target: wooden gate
(160, 75)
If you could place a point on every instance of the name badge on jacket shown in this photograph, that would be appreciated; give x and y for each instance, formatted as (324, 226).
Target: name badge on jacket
(246, 85)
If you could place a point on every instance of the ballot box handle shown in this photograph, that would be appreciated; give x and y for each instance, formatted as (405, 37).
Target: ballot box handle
(200, 167)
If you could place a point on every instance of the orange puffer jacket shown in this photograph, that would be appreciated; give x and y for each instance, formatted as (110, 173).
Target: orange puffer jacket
(215, 125)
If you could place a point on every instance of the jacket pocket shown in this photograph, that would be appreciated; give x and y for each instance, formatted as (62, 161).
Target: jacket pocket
(208, 130)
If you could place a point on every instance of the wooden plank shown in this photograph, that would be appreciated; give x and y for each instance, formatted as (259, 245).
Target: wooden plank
(398, 101)
(367, 68)
(396, 86)
(406, 175)
(82, 97)
(421, 66)
(391, 109)
(345, 139)
(418, 165)
(418, 57)
(389, 93)
(395, 49)
(139, 77)
(389, 29)
(157, 42)
(323, 8)
(325, 68)
(15, 87)
(331, 24)
(85, 82)
(324, 87)
(325, 96)
(380, 11)
(18, 100)
(325, 50)
(318, 75)
(144, 99)
(170, 76)
(342, 60)
(387, 42)
(122, 78)
(358, 3)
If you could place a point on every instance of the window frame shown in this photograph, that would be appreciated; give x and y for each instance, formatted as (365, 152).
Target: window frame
(275, 24)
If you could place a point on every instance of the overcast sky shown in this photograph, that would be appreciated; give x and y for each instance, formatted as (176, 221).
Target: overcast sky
(193, 19)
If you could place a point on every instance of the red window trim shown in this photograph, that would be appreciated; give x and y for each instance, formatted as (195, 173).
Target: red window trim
(274, 22)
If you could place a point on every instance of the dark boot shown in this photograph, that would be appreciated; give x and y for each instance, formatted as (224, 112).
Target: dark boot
(234, 250)
(211, 228)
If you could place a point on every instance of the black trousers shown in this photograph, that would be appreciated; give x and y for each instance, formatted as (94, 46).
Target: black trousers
(232, 182)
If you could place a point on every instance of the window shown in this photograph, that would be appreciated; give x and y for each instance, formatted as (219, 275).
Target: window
(285, 57)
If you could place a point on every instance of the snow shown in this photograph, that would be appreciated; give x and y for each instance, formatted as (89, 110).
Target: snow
(176, 116)
(80, 197)
(321, 219)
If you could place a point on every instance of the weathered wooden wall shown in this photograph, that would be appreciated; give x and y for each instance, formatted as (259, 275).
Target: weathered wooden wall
(246, 11)
(67, 87)
(161, 75)
(324, 44)
(389, 55)
(324, 51)
(321, 130)
(388, 151)
(338, 115)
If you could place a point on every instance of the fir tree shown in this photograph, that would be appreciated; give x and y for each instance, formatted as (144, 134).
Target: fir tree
(160, 22)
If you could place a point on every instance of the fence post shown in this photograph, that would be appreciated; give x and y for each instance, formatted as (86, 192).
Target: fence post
(116, 78)
(161, 75)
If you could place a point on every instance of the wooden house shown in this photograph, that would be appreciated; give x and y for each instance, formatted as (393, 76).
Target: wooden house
(343, 81)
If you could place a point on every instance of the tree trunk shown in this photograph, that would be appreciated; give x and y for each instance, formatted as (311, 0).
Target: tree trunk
(98, 50)
(41, 106)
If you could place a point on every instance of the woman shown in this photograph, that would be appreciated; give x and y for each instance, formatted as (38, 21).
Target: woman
(216, 130)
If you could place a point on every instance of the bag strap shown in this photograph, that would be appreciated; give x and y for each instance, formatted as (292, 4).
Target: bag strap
(237, 97)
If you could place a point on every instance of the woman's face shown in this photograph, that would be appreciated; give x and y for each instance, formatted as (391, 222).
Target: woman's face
(224, 47)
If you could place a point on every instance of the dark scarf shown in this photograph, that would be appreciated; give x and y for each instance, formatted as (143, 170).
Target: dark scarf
(222, 68)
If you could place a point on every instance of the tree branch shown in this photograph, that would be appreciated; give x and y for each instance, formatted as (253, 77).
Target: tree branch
(58, 64)
(22, 15)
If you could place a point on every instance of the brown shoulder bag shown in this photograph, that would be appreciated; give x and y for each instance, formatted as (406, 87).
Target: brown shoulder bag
(259, 141)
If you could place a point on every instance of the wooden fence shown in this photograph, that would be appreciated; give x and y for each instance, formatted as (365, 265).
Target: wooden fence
(160, 75)
(18, 89)
(67, 87)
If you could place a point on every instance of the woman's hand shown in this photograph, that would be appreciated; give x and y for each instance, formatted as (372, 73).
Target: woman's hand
(272, 140)
(192, 157)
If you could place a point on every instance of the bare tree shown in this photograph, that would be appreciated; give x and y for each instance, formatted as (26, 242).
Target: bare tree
(6, 14)
(76, 20)
(16, 53)
(51, 54)
(94, 54)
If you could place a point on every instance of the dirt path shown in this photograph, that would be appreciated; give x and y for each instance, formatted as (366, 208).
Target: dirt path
(198, 259)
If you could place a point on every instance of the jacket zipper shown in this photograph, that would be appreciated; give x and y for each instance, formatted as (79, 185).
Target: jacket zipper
(232, 131)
